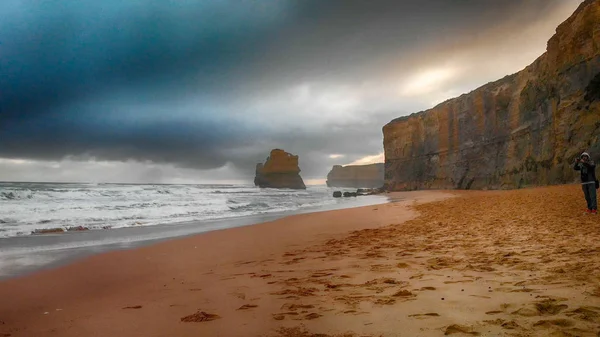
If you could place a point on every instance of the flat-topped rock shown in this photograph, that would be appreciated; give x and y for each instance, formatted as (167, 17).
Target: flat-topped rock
(280, 170)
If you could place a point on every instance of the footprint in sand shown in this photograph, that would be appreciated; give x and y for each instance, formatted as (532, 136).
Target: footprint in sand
(338, 286)
(383, 281)
(390, 281)
(247, 306)
(494, 312)
(429, 314)
(509, 325)
(246, 262)
(349, 312)
(381, 267)
(326, 270)
(385, 301)
(239, 295)
(544, 308)
(403, 293)
(300, 291)
(199, 316)
(595, 292)
(588, 313)
(302, 332)
(312, 316)
(455, 328)
(133, 307)
(427, 288)
(460, 281)
(480, 296)
(521, 290)
(554, 322)
(278, 317)
(295, 307)
(293, 261)
(281, 316)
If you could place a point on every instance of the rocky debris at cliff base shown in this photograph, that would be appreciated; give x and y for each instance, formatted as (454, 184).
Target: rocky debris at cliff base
(369, 191)
(280, 170)
(359, 192)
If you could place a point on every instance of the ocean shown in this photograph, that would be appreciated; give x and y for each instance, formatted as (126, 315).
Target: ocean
(102, 217)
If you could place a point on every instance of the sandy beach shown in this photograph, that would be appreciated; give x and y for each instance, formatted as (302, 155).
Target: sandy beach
(489, 263)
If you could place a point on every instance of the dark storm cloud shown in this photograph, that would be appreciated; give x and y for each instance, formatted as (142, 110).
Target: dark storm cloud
(198, 84)
(54, 52)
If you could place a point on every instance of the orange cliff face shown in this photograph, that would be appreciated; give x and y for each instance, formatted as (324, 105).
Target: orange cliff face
(523, 130)
(359, 176)
(279, 171)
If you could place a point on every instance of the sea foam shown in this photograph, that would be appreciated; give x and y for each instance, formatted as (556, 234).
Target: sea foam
(29, 207)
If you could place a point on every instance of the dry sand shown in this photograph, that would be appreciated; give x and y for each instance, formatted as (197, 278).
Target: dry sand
(498, 263)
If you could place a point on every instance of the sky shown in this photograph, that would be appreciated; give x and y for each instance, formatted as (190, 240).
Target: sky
(185, 91)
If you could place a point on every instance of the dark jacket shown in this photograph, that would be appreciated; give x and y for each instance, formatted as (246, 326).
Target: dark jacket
(588, 171)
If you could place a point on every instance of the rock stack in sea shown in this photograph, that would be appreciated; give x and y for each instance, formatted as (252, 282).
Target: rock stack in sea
(280, 170)
(522, 130)
(359, 176)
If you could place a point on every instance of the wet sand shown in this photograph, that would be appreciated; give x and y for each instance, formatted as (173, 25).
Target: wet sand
(497, 263)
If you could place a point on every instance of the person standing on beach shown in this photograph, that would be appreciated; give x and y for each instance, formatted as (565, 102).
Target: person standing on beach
(587, 167)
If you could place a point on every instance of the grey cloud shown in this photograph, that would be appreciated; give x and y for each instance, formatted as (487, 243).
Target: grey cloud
(216, 84)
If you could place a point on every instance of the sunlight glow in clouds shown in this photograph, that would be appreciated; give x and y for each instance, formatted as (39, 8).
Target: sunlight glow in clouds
(313, 182)
(15, 161)
(336, 156)
(427, 81)
(378, 158)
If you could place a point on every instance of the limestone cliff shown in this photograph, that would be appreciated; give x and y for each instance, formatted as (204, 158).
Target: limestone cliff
(365, 176)
(522, 130)
(279, 171)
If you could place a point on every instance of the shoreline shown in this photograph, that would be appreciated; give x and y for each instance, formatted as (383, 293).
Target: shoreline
(23, 255)
(482, 263)
(108, 281)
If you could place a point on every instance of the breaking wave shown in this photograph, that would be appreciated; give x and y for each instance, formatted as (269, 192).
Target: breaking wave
(27, 208)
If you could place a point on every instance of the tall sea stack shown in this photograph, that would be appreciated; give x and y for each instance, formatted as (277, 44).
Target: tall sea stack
(522, 130)
(279, 171)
